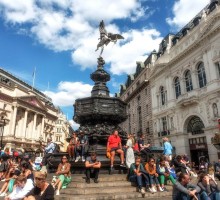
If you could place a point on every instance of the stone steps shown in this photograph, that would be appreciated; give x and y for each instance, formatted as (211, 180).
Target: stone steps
(110, 187)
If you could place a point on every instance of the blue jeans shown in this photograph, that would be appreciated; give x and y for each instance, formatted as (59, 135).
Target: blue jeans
(183, 196)
(153, 180)
(215, 196)
(80, 151)
(139, 180)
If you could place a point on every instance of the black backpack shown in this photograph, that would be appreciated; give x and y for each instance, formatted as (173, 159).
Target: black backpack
(56, 148)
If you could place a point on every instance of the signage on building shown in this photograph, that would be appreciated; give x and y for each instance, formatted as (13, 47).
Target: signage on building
(198, 146)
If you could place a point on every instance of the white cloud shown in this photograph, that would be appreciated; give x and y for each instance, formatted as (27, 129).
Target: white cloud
(67, 92)
(73, 25)
(74, 124)
(184, 11)
(18, 11)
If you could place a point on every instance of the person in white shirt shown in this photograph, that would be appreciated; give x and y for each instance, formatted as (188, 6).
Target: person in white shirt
(23, 186)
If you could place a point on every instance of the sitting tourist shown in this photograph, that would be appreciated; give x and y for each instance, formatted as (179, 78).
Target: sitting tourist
(93, 166)
(81, 145)
(72, 145)
(137, 174)
(63, 171)
(183, 189)
(42, 190)
(9, 180)
(22, 187)
(209, 189)
(25, 169)
(164, 173)
(143, 147)
(114, 146)
(180, 165)
(3, 166)
(150, 168)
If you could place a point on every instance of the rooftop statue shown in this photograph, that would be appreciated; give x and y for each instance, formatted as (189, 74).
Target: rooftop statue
(106, 37)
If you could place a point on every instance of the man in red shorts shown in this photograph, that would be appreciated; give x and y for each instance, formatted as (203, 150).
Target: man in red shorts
(114, 146)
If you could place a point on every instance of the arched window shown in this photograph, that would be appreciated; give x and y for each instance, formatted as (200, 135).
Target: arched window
(177, 87)
(162, 95)
(201, 75)
(188, 80)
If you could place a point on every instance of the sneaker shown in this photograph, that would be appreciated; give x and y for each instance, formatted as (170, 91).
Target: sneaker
(57, 192)
(165, 189)
(96, 180)
(83, 159)
(88, 181)
(122, 165)
(3, 194)
(151, 190)
(77, 159)
(3, 180)
(160, 189)
(142, 191)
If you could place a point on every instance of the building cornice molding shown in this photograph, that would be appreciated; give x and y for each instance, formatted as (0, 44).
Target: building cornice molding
(205, 34)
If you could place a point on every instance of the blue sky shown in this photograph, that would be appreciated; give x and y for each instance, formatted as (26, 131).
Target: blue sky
(59, 39)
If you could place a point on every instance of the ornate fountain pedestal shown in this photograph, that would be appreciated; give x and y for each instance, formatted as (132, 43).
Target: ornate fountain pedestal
(100, 114)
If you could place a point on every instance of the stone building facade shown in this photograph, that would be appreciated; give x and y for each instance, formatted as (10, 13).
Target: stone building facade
(27, 116)
(136, 93)
(184, 82)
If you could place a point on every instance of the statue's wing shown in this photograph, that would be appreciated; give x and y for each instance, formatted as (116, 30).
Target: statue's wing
(102, 29)
(116, 36)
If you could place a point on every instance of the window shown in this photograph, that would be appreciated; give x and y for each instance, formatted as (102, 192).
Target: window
(177, 87)
(195, 126)
(164, 123)
(201, 75)
(140, 119)
(162, 95)
(218, 68)
(188, 80)
(147, 109)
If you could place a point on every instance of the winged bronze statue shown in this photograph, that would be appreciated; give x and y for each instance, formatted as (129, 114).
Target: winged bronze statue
(105, 37)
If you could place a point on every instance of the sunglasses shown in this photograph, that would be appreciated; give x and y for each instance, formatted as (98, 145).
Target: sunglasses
(39, 179)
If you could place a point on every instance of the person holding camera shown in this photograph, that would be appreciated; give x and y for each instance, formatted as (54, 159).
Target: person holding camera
(209, 189)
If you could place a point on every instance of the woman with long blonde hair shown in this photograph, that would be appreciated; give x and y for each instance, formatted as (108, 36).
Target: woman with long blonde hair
(130, 153)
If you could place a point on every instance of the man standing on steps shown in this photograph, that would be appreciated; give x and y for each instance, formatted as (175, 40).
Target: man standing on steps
(49, 149)
(93, 166)
(114, 146)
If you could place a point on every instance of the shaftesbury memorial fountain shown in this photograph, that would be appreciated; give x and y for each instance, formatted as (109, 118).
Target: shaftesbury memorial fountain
(99, 114)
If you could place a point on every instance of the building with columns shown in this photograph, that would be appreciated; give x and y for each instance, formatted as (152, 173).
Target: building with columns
(184, 81)
(27, 116)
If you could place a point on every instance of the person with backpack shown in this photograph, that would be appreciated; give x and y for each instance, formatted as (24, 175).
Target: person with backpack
(48, 150)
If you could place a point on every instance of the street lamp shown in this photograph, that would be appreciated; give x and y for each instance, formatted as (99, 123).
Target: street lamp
(3, 123)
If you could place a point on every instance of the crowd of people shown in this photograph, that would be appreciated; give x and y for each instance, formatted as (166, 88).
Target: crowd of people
(21, 179)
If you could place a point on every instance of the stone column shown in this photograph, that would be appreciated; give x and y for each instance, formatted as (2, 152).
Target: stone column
(14, 121)
(25, 124)
(42, 128)
(34, 135)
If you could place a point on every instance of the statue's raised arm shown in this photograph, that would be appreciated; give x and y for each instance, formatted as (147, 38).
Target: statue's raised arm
(106, 37)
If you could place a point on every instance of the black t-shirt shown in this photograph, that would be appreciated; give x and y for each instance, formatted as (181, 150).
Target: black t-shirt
(47, 195)
(83, 139)
(140, 142)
